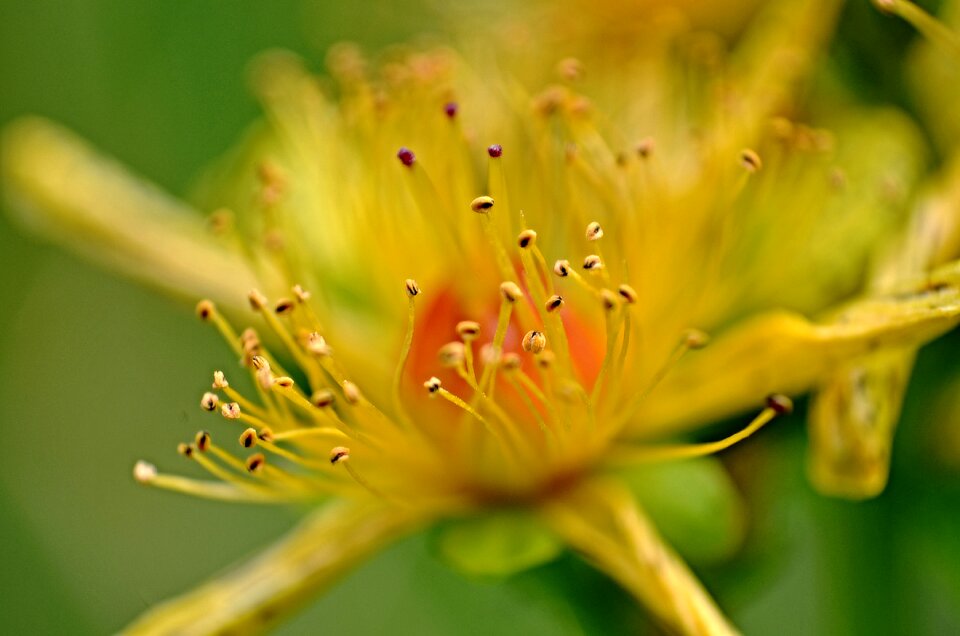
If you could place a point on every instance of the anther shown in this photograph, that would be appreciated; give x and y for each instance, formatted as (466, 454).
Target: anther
(265, 434)
(322, 398)
(511, 291)
(433, 385)
(205, 309)
(259, 363)
(451, 355)
(553, 303)
(257, 300)
(695, 339)
(570, 69)
(230, 410)
(185, 449)
(592, 262)
(283, 382)
(144, 472)
(511, 361)
(256, 462)
(219, 380)
(302, 294)
(645, 147)
(495, 151)
(489, 354)
(283, 306)
(594, 231)
(534, 342)
(546, 359)
(412, 288)
(351, 392)
(561, 268)
(450, 109)
(248, 438)
(609, 299)
(209, 402)
(406, 156)
(628, 293)
(468, 329)
(480, 205)
(750, 160)
(780, 404)
(317, 345)
(526, 239)
(202, 441)
(339, 454)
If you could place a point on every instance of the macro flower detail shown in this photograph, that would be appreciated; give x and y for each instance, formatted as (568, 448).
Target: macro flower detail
(490, 304)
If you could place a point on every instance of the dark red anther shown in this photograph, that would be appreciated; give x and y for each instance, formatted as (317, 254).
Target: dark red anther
(451, 109)
(495, 150)
(406, 156)
(780, 404)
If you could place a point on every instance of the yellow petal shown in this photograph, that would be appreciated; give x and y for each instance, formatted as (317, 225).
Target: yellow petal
(275, 583)
(852, 420)
(783, 352)
(62, 187)
(854, 414)
(602, 521)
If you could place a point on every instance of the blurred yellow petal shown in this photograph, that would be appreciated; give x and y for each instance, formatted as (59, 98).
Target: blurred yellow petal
(601, 520)
(854, 414)
(65, 190)
(783, 352)
(264, 590)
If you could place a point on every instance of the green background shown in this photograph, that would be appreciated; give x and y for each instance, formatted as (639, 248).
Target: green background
(96, 373)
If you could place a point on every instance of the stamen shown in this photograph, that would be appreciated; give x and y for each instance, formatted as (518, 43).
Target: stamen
(341, 456)
(256, 463)
(526, 239)
(592, 263)
(510, 293)
(930, 27)
(283, 306)
(534, 342)
(481, 205)
(645, 147)
(309, 366)
(553, 303)
(468, 329)
(351, 392)
(230, 410)
(209, 402)
(628, 293)
(219, 380)
(146, 473)
(202, 441)
(207, 312)
(776, 405)
(406, 156)
(322, 398)
(608, 299)
(248, 438)
(594, 231)
(750, 160)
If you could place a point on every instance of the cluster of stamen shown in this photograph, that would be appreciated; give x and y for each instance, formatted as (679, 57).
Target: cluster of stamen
(529, 419)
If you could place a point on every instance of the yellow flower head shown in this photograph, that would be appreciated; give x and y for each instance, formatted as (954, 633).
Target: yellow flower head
(481, 294)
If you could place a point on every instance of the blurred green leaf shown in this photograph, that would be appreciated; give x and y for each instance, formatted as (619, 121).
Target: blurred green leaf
(694, 504)
(497, 545)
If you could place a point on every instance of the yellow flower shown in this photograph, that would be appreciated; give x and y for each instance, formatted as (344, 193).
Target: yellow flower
(506, 290)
